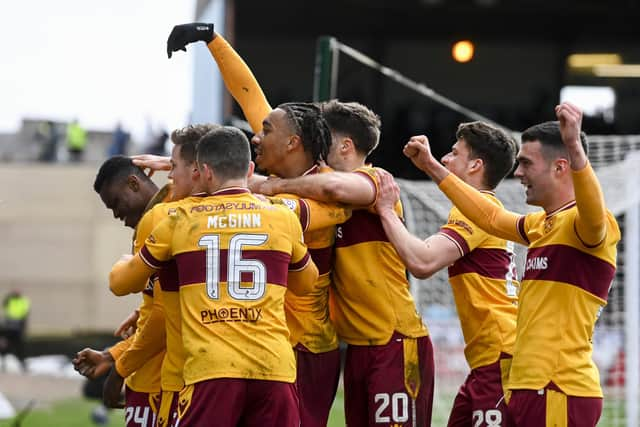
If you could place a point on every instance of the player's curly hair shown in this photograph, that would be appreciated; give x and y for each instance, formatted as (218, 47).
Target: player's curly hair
(188, 137)
(115, 168)
(307, 121)
(354, 121)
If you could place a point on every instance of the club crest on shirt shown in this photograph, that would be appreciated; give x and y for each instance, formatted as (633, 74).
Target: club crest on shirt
(548, 224)
(291, 204)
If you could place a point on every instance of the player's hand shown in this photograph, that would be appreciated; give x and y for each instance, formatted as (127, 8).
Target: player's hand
(268, 187)
(128, 326)
(182, 35)
(570, 118)
(419, 152)
(112, 390)
(92, 363)
(388, 192)
(152, 163)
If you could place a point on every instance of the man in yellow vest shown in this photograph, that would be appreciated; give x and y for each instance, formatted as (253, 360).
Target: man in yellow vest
(16, 311)
(76, 141)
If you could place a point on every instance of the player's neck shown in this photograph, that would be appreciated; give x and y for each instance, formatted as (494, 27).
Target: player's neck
(561, 197)
(295, 166)
(351, 163)
(231, 183)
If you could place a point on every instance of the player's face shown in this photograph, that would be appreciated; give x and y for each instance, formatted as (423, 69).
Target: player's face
(536, 174)
(457, 160)
(271, 142)
(181, 173)
(125, 201)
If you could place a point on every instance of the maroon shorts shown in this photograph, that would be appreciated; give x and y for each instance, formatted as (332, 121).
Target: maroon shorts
(551, 407)
(140, 408)
(230, 402)
(317, 379)
(389, 384)
(168, 410)
(480, 400)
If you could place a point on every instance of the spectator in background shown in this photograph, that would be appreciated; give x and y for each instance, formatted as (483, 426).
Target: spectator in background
(119, 142)
(76, 141)
(16, 311)
(48, 135)
(158, 144)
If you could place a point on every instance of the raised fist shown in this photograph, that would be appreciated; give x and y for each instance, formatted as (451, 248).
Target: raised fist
(182, 35)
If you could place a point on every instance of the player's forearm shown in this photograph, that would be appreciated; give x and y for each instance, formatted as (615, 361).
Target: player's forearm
(302, 281)
(414, 253)
(592, 215)
(434, 169)
(480, 210)
(119, 348)
(335, 187)
(240, 82)
(149, 340)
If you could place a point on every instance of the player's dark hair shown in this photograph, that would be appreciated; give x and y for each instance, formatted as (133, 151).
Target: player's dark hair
(495, 147)
(187, 138)
(548, 133)
(355, 121)
(115, 169)
(226, 151)
(307, 122)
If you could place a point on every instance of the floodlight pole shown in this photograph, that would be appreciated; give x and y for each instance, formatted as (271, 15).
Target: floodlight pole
(326, 69)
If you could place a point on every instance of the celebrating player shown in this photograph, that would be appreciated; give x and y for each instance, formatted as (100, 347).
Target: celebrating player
(237, 255)
(481, 270)
(569, 269)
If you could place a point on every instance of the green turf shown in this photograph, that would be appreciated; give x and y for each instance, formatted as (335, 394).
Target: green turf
(67, 413)
(76, 413)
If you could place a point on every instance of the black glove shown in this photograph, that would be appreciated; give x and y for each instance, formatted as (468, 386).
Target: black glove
(182, 35)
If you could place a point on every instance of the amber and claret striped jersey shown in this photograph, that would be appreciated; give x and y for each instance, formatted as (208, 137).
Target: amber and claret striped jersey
(564, 289)
(146, 379)
(565, 283)
(173, 363)
(234, 252)
(371, 299)
(485, 288)
(308, 315)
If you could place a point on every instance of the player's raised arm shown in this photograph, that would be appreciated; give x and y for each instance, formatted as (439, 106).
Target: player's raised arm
(488, 216)
(591, 219)
(237, 76)
(422, 258)
(240, 82)
(350, 188)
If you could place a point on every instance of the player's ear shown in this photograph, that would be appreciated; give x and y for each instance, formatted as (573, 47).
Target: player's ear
(561, 166)
(294, 142)
(346, 144)
(133, 183)
(476, 165)
(252, 168)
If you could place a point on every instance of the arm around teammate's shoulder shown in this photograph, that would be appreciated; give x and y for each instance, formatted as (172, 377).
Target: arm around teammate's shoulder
(351, 188)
